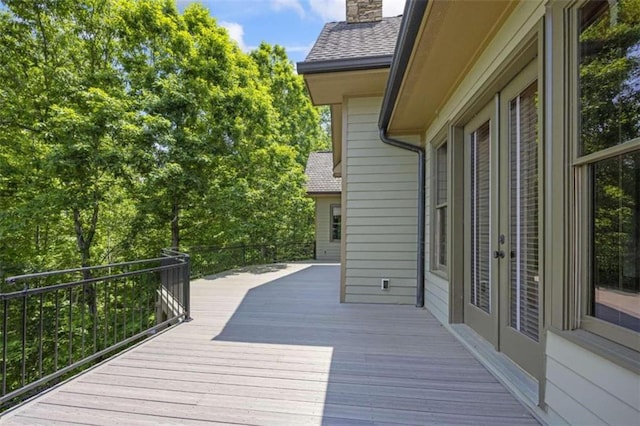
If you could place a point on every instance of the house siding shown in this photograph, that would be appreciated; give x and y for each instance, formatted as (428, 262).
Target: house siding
(325, 248)
(381, 214)
(584, 388)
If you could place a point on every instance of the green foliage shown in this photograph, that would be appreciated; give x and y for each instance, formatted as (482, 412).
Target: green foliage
(126, 127)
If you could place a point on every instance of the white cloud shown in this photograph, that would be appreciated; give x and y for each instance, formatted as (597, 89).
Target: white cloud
(392, 7)
(329, 10)
(334, 10)
(236, 32)
(294, 5)
(304, 49)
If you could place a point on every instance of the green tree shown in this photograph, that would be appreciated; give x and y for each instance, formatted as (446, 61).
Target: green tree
(298, 121)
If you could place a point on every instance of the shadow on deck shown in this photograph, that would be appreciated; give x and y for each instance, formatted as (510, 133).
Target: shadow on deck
(272, 346)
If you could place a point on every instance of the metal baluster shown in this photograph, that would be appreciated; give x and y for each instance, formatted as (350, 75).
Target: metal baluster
(106, 312)
(124, 307)
(95, 318)
(141, 300)
(56, 328)
(174, 283)
(159, 302)
(132, 309)
(4, 345)
(70, 325)
(115, 312)
(84, 301)
(187, 288)
(24, 338)
(41, 338)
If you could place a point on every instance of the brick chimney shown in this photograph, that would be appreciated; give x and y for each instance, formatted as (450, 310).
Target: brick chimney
(364, 11)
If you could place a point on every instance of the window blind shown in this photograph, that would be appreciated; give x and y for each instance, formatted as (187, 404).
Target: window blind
(523, 164)
(480, 202)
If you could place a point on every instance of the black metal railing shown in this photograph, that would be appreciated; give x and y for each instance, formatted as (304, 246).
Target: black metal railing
(55, 324)
(207, 260)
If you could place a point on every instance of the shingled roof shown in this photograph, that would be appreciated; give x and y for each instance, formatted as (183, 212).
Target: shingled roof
(319, 173)
(350, 46)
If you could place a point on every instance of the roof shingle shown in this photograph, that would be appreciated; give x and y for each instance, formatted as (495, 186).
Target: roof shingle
(342, 40)
(319, 173)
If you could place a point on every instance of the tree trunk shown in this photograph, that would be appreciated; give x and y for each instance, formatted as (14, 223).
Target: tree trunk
(84, 247)
(175, 226)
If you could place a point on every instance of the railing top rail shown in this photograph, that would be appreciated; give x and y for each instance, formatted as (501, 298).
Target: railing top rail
(173, 252)
(252, 245)
(17, 278)
(63, 286)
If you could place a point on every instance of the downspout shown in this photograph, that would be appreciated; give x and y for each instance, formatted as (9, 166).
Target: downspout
(413, 14)
(421, 219)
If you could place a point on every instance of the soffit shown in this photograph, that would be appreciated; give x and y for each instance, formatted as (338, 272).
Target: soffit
(331, 87)
(336, 138)
(451, 37)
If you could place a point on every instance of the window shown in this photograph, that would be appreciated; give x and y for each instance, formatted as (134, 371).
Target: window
(336, 222)
(440, 213)
(607, 168)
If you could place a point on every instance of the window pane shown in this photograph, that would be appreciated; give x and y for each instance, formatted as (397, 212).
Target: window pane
(609, 46)
(441, 170)
(441, 229)
(336, 228)
(616, 241)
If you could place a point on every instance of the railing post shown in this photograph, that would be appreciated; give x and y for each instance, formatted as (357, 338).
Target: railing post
(186, 278)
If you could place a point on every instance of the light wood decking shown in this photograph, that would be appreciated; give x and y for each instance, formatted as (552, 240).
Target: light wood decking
(274, 347)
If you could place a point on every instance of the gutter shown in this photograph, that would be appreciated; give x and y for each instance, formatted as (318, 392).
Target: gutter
(413, 13)
(344, 64)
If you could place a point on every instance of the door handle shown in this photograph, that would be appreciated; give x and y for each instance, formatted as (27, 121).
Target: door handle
(498, 254)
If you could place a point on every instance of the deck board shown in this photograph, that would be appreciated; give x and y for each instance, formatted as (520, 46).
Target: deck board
(274, 347)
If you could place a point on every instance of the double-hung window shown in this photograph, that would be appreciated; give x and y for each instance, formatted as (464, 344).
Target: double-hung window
(440, 211)
(336, 222)
(607, 168)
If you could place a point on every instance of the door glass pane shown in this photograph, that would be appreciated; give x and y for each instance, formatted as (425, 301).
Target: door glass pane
(615, 294)
(523, 201)
(480, 202)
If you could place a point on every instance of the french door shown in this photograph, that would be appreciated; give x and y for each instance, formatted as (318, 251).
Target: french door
(502, 237)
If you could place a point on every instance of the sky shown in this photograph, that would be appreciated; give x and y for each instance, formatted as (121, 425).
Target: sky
(294, 24)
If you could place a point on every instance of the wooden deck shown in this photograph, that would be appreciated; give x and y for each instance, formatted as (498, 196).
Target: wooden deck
(274, 347)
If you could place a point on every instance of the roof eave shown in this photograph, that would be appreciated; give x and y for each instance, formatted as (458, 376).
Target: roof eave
(346, 64)
(409, 28)
(319, 193)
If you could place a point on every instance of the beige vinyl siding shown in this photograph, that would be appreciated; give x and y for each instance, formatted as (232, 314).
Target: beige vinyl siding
(325, 248)
(436, 296)
(584, 388)
(381, 214)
